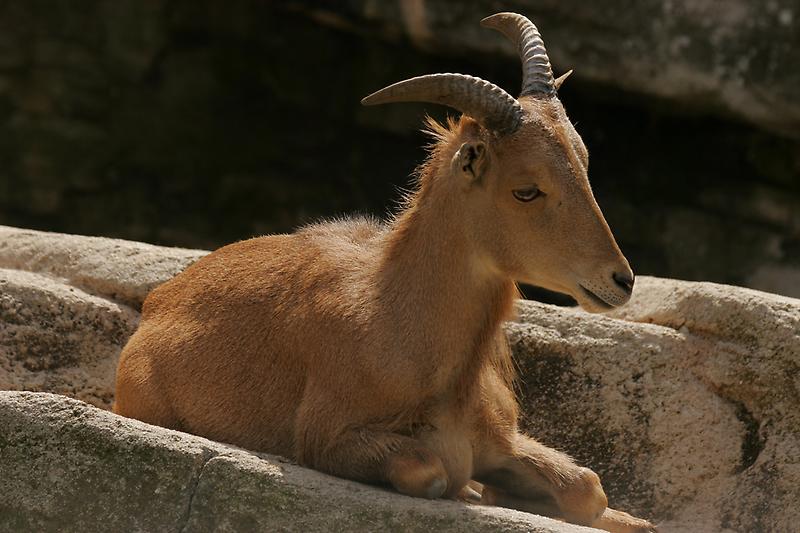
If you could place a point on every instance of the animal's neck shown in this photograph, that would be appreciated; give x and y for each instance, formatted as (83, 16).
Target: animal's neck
(449, 300)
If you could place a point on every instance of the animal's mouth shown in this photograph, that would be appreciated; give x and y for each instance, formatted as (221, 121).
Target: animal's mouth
(595, 299)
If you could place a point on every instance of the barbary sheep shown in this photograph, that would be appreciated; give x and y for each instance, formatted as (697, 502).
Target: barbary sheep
(374, 351)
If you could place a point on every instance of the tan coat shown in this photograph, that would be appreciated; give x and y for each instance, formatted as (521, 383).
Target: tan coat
(375, 351)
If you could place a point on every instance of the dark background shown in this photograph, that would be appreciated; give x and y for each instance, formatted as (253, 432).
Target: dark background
(197, 123)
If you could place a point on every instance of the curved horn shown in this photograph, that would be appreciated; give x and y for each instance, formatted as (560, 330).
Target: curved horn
(487, 103)
(537, 76)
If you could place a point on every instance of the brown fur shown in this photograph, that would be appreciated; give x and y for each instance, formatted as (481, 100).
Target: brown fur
(375, 352)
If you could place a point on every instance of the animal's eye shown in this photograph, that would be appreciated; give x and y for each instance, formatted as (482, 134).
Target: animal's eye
(527, 194)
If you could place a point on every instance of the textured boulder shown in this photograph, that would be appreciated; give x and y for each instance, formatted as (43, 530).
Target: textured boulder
(123, 271)
(58, 338)
(68, 304)
(687, 50)
(66, 466)
(685, 401)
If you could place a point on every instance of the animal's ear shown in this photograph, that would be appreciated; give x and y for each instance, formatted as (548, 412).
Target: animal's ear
(470, 161)
(559, 80)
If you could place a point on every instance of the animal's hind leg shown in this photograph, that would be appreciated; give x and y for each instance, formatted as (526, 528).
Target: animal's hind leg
(142, 404)
(136, 396)
(375, 456)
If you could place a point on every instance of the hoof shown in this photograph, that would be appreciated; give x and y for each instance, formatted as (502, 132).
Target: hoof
(470, 495)
(583, 501)
(420, 474)
(621, 522)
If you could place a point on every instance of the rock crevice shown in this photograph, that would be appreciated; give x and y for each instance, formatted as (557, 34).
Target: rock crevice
(208, 456)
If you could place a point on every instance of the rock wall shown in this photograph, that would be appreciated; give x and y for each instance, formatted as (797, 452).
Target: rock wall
(247, 117)
(68, 304)
(731, 60)
(685, 401)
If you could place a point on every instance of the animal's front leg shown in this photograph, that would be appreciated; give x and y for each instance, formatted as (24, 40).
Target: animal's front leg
(545, 481)
(538, 479)
(621, 522)
(611, 519)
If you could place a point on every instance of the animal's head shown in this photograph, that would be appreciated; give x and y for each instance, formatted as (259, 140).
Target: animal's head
(522, 170)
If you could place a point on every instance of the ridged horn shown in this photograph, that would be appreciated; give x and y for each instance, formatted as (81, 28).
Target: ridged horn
(487, 103)
(537, 75)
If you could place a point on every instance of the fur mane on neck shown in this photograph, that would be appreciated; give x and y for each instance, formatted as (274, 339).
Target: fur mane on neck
(442, 137)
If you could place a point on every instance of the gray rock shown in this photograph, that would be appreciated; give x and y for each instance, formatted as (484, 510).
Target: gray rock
(59, 338)
(735, 59)
(124, 271)
(685, 401)
(66, 466)
(69, 303)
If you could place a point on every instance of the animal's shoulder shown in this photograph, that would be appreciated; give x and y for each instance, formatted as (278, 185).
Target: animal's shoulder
(334, 240)
(332, 253)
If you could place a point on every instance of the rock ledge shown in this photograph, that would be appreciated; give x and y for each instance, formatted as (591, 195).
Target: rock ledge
(67, 466)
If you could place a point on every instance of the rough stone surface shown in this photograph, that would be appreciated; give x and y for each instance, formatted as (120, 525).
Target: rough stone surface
(689, 50)
(685, 401)
(69, 303)
(124, 271)
(66, 466)
(58, 338)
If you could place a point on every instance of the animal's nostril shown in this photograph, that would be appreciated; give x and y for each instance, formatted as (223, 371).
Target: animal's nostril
(624, 281)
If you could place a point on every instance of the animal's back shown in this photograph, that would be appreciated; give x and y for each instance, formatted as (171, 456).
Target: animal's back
(224, 349)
